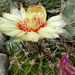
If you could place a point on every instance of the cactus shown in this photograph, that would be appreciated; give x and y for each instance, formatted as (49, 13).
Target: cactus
(69, 18)
(4, 6)
(28, 58)
(51, 4)
(26, 3)
(4, 64)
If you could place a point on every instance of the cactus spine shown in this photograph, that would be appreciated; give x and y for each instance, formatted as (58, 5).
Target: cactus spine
(35, 58)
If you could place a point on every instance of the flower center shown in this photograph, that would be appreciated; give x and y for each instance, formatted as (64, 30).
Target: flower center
(33, 24)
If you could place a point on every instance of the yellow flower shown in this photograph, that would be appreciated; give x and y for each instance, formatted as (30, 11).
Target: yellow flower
(31, 25)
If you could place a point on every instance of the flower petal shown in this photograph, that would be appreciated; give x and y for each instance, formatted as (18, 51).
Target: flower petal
(22, 10)
(18, 39)
(55, 18)
(6, 21)
(31, 36)
(21, 34)
(56, 24)
(64, 67)
(45, 35)
(10, 16)
(4, 27)
(7, 29)
(37, 9)
(47, 30)
(60, 30)
(15, 11)
(12, 33)
(55, 35)
(7, 26)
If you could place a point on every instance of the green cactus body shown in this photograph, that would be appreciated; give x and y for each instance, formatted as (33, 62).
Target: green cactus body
(69, 18)
(4, 6)
(31, 2)
(51, 4)
(28, 58)
(27, 3)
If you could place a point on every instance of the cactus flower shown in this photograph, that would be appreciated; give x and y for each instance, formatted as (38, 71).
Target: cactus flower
(31, 25)
(64, 67)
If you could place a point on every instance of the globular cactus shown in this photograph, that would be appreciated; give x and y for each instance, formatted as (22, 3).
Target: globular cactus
(4, 64)
(28, 58)
(41, 58)
(69, 17)
(26, 3)
(51, 4)
(31, 2)
(3, 40)
(4, 6)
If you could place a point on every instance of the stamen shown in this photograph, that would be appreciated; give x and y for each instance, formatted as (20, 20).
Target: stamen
(36, 24)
